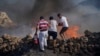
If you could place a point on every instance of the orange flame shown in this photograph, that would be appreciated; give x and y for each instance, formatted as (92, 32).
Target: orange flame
(72, 32)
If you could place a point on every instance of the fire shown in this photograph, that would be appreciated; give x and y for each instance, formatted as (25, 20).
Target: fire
(72, 32)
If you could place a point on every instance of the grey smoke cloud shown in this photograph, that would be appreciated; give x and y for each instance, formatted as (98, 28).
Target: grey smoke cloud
(84, 13)
(17, 9)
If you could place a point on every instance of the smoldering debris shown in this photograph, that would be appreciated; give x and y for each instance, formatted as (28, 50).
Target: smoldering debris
(87, 45)
(11, 45)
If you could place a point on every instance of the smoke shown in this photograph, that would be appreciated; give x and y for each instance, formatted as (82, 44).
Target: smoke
(17, 10)
(20, 13)
(20, 30)
(25, 13)
(84, 13)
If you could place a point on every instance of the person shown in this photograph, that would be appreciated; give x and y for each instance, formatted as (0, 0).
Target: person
(42, 26)
(64, 23)
(53, 30)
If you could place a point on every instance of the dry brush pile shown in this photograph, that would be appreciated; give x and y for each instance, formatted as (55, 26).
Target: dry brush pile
(87, 45)
(10, 45)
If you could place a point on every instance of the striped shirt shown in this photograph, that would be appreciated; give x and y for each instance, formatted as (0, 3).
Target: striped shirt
(43, 25)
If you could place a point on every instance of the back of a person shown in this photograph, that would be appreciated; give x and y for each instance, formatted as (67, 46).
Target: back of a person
(52, 31)
(43, 33)
(64, 21)
(43, 25)
(53, 25)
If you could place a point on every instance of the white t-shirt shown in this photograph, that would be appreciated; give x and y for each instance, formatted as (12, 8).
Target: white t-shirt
(53, 25)
(64, 21)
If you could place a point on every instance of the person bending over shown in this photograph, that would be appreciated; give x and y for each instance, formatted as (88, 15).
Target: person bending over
(64, 23)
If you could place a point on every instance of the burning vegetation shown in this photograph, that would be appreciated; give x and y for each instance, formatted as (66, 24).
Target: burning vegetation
(75, 45)
(82, 12)
(87, 45)
(72, 32)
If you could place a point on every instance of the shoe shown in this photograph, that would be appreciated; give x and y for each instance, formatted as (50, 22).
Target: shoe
(42, 51)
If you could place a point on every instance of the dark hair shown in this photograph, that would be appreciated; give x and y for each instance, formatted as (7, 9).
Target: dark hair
(51, 17)
(41, 17)
(58, 14)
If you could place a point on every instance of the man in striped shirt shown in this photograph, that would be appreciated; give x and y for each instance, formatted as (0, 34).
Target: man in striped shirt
(42, 26)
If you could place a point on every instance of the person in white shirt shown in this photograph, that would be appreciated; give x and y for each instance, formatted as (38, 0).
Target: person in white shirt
(53, 30)
(64, 23)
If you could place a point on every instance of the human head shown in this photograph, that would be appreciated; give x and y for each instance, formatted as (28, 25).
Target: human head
(41, 17)
(51, 18)
(59, 15)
